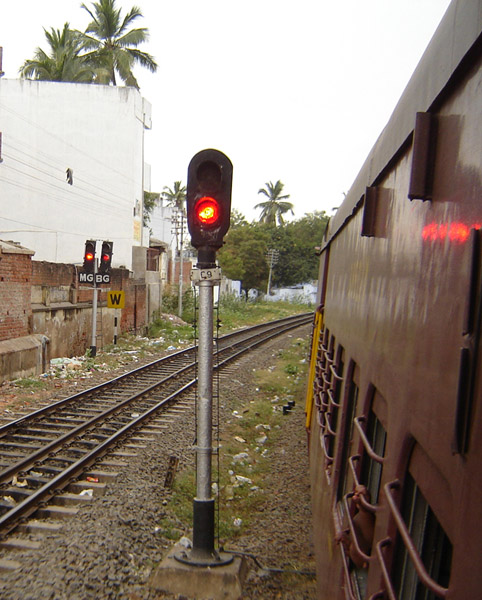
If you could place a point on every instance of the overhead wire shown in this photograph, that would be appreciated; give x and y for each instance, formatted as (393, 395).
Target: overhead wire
(59, 169)
(60, 139)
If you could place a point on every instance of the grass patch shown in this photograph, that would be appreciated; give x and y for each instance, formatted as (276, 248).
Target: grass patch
(249, 436)
(28, 383)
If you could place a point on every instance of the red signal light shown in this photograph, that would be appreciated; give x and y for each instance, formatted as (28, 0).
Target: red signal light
(89, 256)
(207, 210)
(106, 257)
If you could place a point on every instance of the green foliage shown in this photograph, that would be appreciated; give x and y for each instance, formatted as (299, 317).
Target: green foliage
(291, 369)
(111, 45)
(243, 255)
(175, 197)
(170, 304)
(275, 206)
(150, 201)
(235, 312)
(107, 47)
(260, 417)
(170, 332)
(30, 383)
(62, 61)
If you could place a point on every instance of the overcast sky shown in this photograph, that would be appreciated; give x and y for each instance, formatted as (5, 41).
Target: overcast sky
(296, 91)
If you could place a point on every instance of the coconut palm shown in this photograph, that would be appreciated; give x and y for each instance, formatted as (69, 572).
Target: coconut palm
(110, 43)
(62, 62)
(175, 197)
(276, 206)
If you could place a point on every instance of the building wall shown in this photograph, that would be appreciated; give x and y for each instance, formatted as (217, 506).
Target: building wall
(15, 284)
(95, 131)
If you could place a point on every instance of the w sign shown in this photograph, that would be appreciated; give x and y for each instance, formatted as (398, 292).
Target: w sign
(116, 299)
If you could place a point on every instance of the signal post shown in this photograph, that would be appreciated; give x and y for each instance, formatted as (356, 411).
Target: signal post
(90, 274)
(208, 216)
(209, 181)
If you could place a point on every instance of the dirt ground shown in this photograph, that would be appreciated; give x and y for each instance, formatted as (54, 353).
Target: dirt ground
(111, 548)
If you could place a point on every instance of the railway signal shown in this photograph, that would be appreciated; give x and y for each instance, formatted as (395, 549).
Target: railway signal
(89, 256)
(106, 257)
(209, 182)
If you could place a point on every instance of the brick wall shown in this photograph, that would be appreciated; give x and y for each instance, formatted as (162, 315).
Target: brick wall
(53, 274)
(15, 286)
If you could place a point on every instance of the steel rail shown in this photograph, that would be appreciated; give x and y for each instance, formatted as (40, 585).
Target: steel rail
(30, 504)
(144, 369)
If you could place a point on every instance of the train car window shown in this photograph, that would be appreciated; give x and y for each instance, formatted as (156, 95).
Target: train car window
(431, 543)
(349, 412)
(371, 470)
(329, 380)
(334, 394)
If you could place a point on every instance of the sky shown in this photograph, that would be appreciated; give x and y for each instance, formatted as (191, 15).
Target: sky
(291, 91)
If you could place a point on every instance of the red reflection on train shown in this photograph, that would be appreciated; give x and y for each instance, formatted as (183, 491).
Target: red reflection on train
(455, 232)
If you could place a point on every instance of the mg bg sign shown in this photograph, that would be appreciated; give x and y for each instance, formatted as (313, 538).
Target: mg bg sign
(94, 278)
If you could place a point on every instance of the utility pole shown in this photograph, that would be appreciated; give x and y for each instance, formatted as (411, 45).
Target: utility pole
(272, 257)
(178, 224)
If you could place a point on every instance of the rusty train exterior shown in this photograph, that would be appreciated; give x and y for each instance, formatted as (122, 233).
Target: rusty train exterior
(394, 401)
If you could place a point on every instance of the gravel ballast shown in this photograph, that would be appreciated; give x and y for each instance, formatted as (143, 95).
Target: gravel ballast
(110, 548)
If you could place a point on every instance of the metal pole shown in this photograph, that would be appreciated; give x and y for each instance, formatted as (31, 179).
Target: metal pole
(203, 526)
(205, 391)
(93, 347)
(269, 277)
(180, 267)
(203, 552)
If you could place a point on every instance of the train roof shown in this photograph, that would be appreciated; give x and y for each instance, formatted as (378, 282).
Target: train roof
(456, 38)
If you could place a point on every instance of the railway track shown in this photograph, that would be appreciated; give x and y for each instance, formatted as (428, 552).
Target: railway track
(53, 448)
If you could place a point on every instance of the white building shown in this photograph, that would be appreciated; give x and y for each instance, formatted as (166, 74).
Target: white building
(72, 168)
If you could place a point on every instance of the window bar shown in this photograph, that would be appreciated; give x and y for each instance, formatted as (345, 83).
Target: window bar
(328, 358)
(425, 578)
(349, 593)
(365, 557)
(371, 453)
(328, 425)
(326, 380)
(335, 374)
(329, 459)
(385, 574)
(373, 508)
(332, 400)
(324, 404)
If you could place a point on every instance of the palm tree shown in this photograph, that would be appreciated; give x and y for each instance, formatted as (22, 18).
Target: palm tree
(175, 197)
(276, 206)
(62, 62)
(109, 43)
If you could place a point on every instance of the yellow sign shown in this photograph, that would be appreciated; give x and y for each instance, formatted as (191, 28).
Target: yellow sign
(116, 299)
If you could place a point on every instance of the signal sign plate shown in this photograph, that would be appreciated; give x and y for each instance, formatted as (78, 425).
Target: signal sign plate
(89, 277)
(116, 299)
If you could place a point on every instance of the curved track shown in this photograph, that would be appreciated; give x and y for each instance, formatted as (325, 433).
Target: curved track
(45, 451)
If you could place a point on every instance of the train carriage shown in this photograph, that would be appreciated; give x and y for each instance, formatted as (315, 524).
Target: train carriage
(395, 394)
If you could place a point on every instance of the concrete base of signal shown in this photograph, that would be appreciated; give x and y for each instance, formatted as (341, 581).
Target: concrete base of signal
(200, 583)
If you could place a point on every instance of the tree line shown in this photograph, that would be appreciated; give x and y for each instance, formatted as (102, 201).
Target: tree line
(244, 256)
(105, 52)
